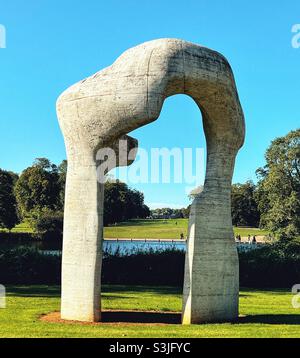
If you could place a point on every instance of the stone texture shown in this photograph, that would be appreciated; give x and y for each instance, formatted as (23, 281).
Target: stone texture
(95, 113)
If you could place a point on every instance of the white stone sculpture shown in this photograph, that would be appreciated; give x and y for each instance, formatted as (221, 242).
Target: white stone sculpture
(130, 93)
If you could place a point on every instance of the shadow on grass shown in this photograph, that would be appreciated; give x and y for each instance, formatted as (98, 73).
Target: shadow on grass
(289, 319)
(109, 291)
(162, 290)
(33, 291)
(114, 297)
(175, 318)
(265, 290)
(141, 317)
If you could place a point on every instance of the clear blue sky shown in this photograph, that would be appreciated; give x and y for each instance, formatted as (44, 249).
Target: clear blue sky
(52, 44)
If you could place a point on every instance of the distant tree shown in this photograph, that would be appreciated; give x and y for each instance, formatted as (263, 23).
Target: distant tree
(49, 223)
(186, 212)
(45, 164)
(170, 213)
(145, 212)
(162, 212)
(8, 205)
(122, 203)
(38, 188)
(244, 208)
(134, 203)
(113, 202)
(278, 193)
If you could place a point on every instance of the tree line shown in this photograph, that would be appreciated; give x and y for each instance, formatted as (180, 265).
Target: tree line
(37, 197)
(273, 203)
(169, 213)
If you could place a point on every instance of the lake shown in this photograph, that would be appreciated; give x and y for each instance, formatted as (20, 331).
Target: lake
(129, 247)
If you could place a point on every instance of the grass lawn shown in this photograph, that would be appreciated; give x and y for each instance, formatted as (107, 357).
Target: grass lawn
(162, 229)
(22, 227)
(149, 229)
(267, 314)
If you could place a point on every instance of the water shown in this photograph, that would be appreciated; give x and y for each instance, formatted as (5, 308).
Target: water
(127, 246)
(130, 247)
(120, 246)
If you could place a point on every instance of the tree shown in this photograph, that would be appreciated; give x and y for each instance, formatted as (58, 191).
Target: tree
(244, 208)
(186, 212)
(38, 188)
(45, 164)
(278, 193)
(122, 203)
(49, 223)
(8, 205)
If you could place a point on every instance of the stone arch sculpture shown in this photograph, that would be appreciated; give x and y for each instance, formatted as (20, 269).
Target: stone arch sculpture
(99, 110)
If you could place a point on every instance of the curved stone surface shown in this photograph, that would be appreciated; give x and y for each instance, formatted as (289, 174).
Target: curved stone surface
(95, 113)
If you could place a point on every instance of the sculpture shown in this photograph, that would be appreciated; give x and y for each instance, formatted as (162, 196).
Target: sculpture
(95, 113)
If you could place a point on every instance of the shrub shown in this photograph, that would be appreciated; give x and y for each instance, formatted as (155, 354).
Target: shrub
(273, 266)
(153, 267)
(49, 224)
(276, 265)
(29, 240)
(28, 266)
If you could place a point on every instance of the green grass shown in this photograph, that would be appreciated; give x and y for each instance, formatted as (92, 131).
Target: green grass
(22, 227)
(268, 314)
(162, 229)
(245, 231)
(150, 229)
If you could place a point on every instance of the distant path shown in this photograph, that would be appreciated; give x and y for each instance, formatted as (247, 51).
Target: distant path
(138, 239)
(259, 239)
